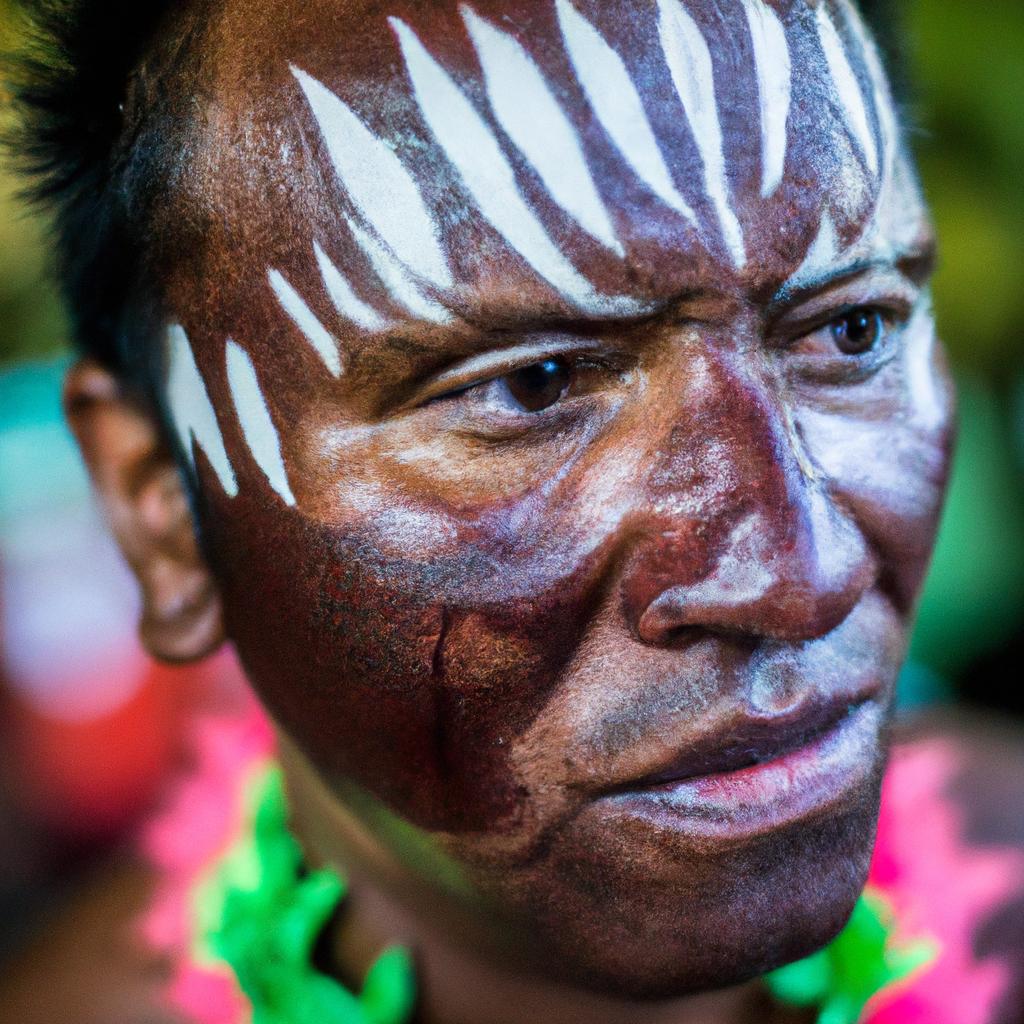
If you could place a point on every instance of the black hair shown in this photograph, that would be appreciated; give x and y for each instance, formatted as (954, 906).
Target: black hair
(71, 86)
(69, 82)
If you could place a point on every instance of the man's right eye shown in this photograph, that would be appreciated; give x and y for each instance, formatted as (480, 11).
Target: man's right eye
(538, 386)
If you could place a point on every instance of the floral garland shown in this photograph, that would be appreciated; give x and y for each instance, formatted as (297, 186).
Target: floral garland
(251, 915)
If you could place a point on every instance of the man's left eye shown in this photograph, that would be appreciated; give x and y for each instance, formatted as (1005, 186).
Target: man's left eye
(536, 387)
(857, 331)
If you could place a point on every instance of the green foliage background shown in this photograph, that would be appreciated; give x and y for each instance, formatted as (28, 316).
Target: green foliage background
(967, 70)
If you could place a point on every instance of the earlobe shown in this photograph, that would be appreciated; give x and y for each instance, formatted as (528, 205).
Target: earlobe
(144, 499)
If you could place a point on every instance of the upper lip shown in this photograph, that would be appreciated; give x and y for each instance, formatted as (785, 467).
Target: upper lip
(743, 742)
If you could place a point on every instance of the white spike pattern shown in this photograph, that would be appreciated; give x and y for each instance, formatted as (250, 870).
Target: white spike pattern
(530, 114)
(847, 88)
(616, 101)
(821, 256)
(689, 62)
(191, 410)
(400, 286)
(345, 300)
(307, 321)
(474, 152)
(254, 417)
(774, 85)
(379, 184)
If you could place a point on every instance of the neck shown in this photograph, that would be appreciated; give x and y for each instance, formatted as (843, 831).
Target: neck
(455, 985)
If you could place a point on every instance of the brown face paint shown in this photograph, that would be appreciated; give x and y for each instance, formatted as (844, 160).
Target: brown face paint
(546, 647)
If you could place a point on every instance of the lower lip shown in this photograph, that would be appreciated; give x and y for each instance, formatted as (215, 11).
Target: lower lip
(763, 798)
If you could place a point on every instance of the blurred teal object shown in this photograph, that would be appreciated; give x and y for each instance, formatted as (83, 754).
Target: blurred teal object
(974, 598)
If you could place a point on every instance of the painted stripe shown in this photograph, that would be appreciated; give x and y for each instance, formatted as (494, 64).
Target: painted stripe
(847, 88)
(379, 184)
(345, 300)
(400, 286)
(616, 101)
(191, 410)
(689, 62)
(821, 256)
(307, 321)
(254, 418)
(774, 87)
(530, 114)
(474, 152)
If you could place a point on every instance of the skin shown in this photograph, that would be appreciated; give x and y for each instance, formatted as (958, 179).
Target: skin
(484, 632)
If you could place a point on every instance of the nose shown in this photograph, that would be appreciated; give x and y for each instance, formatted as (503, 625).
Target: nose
(738, 532)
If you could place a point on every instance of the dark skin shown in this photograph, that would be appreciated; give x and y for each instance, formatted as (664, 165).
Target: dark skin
(582, 628)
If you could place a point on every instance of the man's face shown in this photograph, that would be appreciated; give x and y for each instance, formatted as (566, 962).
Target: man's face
(570, 436)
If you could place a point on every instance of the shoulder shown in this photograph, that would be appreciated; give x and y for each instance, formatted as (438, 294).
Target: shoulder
(89, 965)
(950, 857)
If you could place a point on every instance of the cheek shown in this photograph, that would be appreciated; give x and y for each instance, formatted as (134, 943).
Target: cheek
(889, 463)
(409, 674)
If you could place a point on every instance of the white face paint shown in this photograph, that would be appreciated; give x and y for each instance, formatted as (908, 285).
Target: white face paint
(307, 321)
(689, 61)
(475, 153)
(400, 286)
(774, 68)
(618, 106)
(929, 408)
(820, 258)
(191, 410)
(378, 184)
(526, 109)
(345, 300)
(848, 89)
(254, 417)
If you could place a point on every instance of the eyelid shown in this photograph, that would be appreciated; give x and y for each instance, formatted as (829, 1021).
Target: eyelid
(495, 363)
(887, 291)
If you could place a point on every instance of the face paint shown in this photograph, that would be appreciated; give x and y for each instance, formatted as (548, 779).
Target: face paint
(848, 88)
(523, 104)
(689, 60)
(774, 89)
(254, 418)
(345, 300)
(378, 184)
(474, 152)
(548, 555)
(305, 319)
(191, 411)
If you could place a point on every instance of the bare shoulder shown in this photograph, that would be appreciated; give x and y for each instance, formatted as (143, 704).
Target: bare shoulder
(88, 965)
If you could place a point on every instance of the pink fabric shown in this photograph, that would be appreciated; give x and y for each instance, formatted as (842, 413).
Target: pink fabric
(201, 821)
(940, 889)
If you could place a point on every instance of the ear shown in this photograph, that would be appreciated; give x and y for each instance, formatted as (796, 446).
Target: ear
(144, 498)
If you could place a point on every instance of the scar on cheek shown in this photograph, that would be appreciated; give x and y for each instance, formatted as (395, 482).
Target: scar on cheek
(191, 410)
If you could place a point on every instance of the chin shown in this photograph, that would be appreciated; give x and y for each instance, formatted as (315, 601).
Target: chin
(645, 918)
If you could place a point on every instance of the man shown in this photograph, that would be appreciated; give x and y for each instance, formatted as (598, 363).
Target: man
(553, 391)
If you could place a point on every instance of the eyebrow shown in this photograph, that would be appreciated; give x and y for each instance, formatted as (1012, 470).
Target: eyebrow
(915, 262)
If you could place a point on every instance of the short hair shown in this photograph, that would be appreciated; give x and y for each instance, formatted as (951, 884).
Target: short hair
(70, 85)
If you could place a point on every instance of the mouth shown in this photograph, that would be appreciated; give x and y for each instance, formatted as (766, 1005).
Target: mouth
(757, 777)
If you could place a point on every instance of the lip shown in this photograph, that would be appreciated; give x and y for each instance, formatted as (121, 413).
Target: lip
(761, 777)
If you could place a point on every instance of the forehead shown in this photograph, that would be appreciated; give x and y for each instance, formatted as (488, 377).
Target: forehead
(422, 161)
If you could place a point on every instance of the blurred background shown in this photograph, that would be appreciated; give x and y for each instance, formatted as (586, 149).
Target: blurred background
(90, 726)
